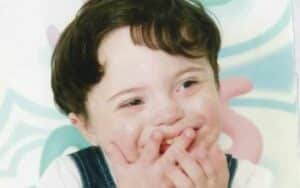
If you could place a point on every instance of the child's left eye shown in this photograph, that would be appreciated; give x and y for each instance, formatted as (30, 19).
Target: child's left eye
(189, 83)
(131, 103)
(186, 85)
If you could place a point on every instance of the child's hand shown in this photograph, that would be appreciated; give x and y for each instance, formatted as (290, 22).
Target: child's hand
(145, 172)
(205, 139)
(151, 169)
(175, 168)
(209, 170)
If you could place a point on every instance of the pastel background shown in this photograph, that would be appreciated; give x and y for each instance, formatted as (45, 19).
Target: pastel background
(261, 44)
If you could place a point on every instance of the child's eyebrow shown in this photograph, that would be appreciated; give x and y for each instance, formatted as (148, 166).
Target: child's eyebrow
(189, 69)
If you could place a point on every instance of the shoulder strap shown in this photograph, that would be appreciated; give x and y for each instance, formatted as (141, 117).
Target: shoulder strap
(93, 168)
(95, 172)
(232, 166)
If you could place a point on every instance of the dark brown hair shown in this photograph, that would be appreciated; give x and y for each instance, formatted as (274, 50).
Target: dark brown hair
(178, 27)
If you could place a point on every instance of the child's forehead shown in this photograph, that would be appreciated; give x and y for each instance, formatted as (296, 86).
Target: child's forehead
(147, 73)
(127, 65)
(117, 47)
(112, 40)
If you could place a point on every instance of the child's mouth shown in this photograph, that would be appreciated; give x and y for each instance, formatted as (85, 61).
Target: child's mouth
(167, 143)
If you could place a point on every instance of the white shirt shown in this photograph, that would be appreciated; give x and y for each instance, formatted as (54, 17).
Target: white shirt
(63, 173)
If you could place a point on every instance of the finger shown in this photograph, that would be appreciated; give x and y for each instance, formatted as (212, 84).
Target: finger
(206, 165)
(181, 143)
(170, 131)
(220, 161)
(191, 168)
(205, 138)
(150, 152)
(178, 178)
(115, 155)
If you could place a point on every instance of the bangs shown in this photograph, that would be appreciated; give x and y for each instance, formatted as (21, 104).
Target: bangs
(178, 28)
(171, 37)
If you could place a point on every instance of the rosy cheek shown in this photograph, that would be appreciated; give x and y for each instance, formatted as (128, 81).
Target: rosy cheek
(118, 128)
(211, 110)
(207, 109)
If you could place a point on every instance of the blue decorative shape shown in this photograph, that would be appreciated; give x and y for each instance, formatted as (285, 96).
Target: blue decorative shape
(273, 72)
(21, 132)
(12, 98)
(59, 140)
(11, 171)
(265, 103)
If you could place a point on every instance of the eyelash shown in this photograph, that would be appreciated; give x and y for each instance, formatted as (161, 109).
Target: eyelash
(132, 102)
(192, 82)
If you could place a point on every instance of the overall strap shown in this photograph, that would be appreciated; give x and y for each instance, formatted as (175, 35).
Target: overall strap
(93, 168)
(232, 166)
(95, 172)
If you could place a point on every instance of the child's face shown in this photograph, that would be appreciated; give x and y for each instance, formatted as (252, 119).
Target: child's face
(144, 89)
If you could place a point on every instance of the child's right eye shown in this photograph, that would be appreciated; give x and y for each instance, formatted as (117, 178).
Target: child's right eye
(131, 103)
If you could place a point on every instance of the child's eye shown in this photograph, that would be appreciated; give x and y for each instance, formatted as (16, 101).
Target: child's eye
(131, 102)
(188, 83)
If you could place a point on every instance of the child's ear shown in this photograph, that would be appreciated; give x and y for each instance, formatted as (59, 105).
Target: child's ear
(79, 122)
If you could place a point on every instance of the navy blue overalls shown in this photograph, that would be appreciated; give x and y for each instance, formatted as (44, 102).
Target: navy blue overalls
(95, 173)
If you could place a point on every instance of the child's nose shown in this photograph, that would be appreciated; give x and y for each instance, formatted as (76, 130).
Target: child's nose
(168, 113)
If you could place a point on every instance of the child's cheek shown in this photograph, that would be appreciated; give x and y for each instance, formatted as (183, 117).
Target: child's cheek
(205, 108)
(126, 135)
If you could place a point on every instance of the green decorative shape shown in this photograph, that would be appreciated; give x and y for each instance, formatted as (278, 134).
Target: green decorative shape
(214, 2)
(58, 141)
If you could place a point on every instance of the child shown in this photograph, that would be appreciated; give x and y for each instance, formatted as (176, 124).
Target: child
(139, 79)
